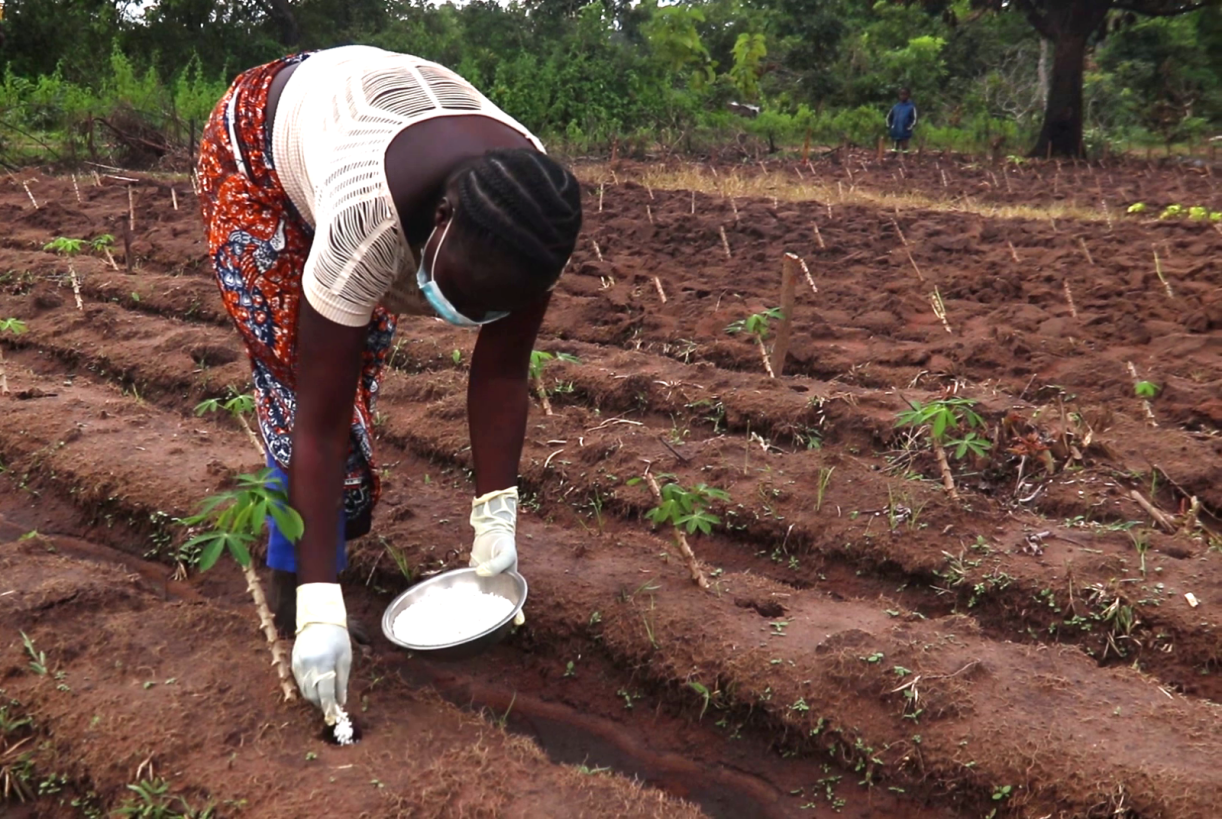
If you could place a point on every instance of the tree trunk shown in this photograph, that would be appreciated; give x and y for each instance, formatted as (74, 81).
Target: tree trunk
(1061, 134)
(1042, 70)
(1070, 25)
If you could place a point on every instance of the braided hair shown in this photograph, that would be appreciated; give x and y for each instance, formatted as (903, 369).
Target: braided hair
(524, 207)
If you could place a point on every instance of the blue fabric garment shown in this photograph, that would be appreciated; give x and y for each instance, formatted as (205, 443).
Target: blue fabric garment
(281, 554)
(901, 120)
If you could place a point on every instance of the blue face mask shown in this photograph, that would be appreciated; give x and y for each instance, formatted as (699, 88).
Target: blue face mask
(437, 300)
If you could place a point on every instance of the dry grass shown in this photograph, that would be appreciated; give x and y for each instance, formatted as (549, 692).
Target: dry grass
(786, 186)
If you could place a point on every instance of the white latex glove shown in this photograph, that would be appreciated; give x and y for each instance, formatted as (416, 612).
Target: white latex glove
(322, 652)
(494, 518)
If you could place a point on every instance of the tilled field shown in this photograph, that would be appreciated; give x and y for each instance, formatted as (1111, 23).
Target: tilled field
(869, 646)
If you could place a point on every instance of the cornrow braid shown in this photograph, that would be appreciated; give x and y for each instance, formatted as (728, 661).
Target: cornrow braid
(524, 203)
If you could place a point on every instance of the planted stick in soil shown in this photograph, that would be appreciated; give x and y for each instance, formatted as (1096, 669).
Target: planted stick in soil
(939, 308)
(1073, 310)
(1145, 404)
(600, 197)
(76, 188)
(818, 236)
(735, 208)
(268, 627)
(912, 261)
(939, 453)
(689, 556)
(693, 203)
(1013, 252)
(1158, 268)
(903, 239)
(28, 193)
(649, 191)
(1086, 250)
(764, 355)
(725, 243)
(76, 287)
(174, 198)
(597, 251)
(649, 213)
(789, 281)
(131, 208)
(809, 278)
(661, 293)
(541, 391)
(97, 180)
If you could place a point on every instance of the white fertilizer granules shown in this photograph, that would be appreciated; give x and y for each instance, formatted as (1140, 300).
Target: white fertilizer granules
(445, 616)
(342, 731)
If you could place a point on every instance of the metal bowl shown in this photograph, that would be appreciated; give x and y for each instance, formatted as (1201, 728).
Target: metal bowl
(510, 585)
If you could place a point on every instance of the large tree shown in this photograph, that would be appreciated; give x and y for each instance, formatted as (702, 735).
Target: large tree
(1071, 26)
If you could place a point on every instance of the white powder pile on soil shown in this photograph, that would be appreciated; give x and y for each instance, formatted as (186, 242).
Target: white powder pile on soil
(444, 616)
(342, 731)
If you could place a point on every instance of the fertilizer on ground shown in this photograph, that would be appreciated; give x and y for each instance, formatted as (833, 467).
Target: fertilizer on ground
(445, 616)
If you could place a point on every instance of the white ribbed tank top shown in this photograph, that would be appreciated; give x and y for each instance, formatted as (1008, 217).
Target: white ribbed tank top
(337, 115)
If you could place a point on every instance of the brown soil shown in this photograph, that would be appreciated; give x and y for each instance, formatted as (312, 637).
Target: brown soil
(874, 647)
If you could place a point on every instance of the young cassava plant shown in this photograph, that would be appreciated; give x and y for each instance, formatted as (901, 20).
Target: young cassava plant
(232, 520)
(14, 327)
(686, 510)
(757, 326)
(941, 418)
(538, 363)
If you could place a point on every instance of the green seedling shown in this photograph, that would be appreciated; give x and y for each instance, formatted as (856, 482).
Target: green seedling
(65, 246)
(237, 405)
(1145, 389)
(456, 357)
(703, 691)
(153, 801)
(236, 519)
(540, 359)
(1137, 207)
(825, 480)
(1197, 213)
(756, 324)
(38, 659)
(938, 419)
(684, 508)
(102, 243)
(1171, 211)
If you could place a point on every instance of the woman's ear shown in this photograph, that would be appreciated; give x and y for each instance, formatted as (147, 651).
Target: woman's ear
(443, 212)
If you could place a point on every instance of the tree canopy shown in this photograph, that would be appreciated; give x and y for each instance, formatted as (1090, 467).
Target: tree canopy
(590, 72)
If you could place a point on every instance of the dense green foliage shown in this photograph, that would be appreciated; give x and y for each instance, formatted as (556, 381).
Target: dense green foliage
(118, 80)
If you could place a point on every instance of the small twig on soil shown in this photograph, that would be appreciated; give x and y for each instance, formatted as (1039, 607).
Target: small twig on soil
(943, 177)
(76, 188)
(97, 180)
(1107, 214)
(1013, 252)
(1006, 174)
(649, 191)
(1073, 311)
(1086, 250)
(674, 451)
(174, 198)
(597, 250)
(28, 193)
(693, 203)
(789, 281)
(649, 214)
(818, 235)
(614, 178)
(840, 189)
(661, 293)
(131, 209)
(1158, 268)
(912, 261)
(939, 308)
(689, 557)
(76, 287)
(548, 462)
(734, 207)
(600, 197)
(1160, 517)
(725, 243)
